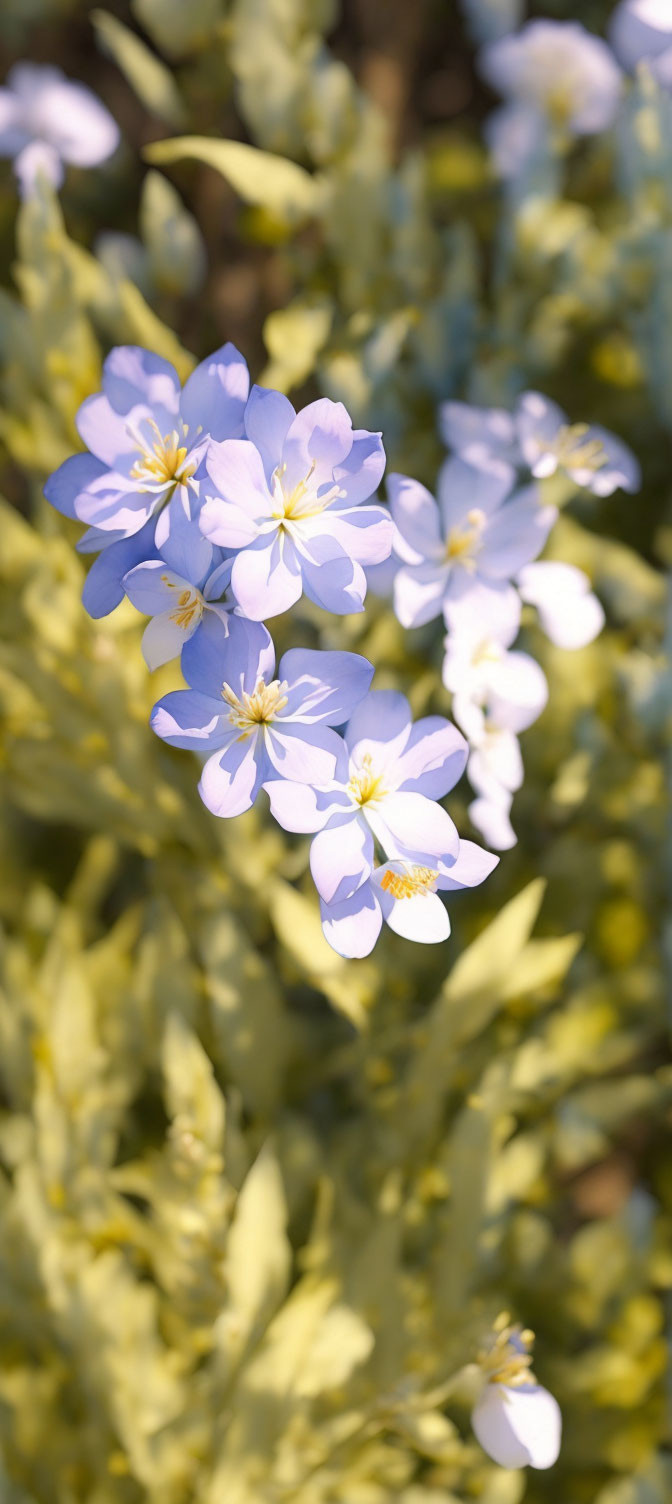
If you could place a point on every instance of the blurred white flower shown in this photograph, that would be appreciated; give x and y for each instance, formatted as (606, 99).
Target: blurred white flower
(553, 73)
(568, 611)
(516, 1420)
(518, 1427)
(538, 436)
(46, 120)
(641, 29)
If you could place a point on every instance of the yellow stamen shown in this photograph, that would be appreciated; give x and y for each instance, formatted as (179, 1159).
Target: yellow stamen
(249, 712)
(464, 542)
(508, 1357)
(574, 453)
(420, 880)
(365, 785)
(164, 460)
(190, 604)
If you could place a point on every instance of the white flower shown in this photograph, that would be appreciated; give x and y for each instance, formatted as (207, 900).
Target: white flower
(559, 71)
(516, 1420)
(538, 436)
(518, 1427)
(641, 29)
(568, 611)
(46, 120)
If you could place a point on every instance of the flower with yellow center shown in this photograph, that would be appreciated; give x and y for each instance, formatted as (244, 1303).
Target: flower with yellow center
(516, 1420)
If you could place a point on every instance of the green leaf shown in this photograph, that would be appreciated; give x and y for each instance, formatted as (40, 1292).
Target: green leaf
(153, 83)
(258, 177)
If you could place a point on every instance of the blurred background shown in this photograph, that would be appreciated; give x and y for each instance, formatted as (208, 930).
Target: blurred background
(260, 1205)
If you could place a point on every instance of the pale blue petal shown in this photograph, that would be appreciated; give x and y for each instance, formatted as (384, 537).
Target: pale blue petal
(303, 754)
(323, 686)
(300, 808)
(186, 718)
(266, 578)
(352, 927)
(231, 779)
(228, 649)
(341, 858)
(319, 439)
(136, 378)
(71, 480)
(381, 722)
(433, 759)
(215, 394)
(417, 520)
(361, 472)
(268, 417)
(103, 586)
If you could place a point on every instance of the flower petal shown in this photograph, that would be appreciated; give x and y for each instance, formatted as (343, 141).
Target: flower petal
(215, 394)
(433, 759)
(186, 718)
(268, 417)
(417, 519)
(74, 477)
(163, 639)
(231, 779)
(319, 439)
(471, 867)
(361, 472)
(303, 754)
(568, 611)
(323, 686)
(363, 533)
(300, 808)
(408, 825)
(419, 593)
(266, 578)
(516, 535)
(421, 917)
(352, 927)
(341, 858)
(103, 586)
(134, 378)
(237, 473)
(228, 649)
(379, 727)
(518, 1427)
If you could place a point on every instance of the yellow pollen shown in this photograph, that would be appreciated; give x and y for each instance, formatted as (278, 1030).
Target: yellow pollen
(163, 460)
(572, 450)
(508, 1357)
(189, 604)
(365, 785)
(463, 542)
(302, 501)
(407, 884)
(249, 712)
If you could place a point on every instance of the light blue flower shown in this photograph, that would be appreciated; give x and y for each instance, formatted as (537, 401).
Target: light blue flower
(147, 439)
(478, 533)
(537, 437)
(188, 579)
(384, 790)
(404, 895)
(47, 120)
(289, 498)
(258, 728)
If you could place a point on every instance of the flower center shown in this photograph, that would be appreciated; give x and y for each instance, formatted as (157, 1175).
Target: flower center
(464, 542)
(365, 785)
(408, 883)
(301, 502)
(190, 603)
(249, 712)
(571, 449)
(508, 1357)
(163, 457)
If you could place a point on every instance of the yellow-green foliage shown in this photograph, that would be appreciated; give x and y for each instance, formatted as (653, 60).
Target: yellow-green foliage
(260, 1204)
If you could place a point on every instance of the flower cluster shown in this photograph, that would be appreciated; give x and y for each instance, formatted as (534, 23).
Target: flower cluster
(215, 508)
(470, 556)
